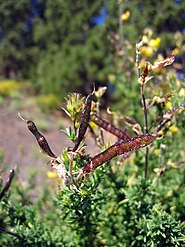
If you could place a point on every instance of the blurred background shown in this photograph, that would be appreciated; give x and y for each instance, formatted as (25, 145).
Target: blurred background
(49, 49)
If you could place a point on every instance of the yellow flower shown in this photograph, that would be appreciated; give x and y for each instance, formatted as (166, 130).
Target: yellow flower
(157, 151)
(173, 129)
(125, 16)
(111, 77)
(178, 83)
(182, 92)
(154, 43)
(168, 105)
(92, 124)
(147, 51)
(51, 174)
(176, 51)
(160, 134)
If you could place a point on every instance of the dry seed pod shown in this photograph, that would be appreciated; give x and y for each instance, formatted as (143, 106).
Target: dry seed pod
(84, 121)
(119, 149)
(8, 183)
(172, 111)
(168, 115)
(166, 62)
(58, 166)
(129, 121)
(144, 74)
(162, 124)
(40, 138)
(149, 67)
(110, 128)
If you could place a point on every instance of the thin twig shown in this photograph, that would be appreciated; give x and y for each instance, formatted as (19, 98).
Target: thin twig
(101, 139)
(144, 109)
(71, 165)
(145, 127)
(137, 62)
(121, 25)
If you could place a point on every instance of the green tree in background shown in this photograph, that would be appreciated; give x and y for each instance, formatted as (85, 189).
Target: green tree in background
(63, 46)
(164, 17)
(16, 43)
(73, 51)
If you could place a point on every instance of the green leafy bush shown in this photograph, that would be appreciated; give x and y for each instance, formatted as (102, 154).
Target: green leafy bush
(7, 87)
(130, 194)
(48, 102)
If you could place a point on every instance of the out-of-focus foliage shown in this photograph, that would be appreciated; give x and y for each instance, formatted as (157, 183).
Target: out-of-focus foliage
(72, 49)
(63, 45)
(16, 43)
(7, 87)
(160, 16)
(48, 102)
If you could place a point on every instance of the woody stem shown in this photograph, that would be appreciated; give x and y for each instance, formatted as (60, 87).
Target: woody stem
(144, 109)
(145, 127)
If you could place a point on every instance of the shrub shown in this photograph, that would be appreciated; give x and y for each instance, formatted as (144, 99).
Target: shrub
(7, 87)
(48, 102)
(129, 194)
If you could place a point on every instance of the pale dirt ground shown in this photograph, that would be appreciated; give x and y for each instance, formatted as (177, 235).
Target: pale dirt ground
(20, 147)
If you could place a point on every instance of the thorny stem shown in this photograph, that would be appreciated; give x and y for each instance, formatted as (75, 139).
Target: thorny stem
(144, 110)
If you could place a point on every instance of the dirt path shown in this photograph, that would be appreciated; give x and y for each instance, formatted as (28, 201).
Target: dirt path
(19, 145)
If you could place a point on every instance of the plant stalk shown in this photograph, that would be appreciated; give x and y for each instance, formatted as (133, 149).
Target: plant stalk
(144, 111)
(145, 128)
(121, 25)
